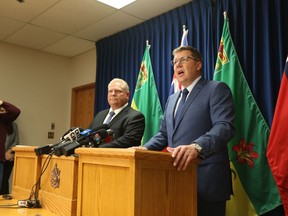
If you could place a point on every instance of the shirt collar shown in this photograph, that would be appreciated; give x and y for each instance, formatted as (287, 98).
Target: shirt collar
(118, 110)
(191, 86)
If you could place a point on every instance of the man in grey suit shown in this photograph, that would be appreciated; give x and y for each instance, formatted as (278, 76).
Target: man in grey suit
(202, 128)
(128, 124)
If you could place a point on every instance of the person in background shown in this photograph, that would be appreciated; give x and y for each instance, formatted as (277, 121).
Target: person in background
(8, 114)
(128, 124)
(198, 123)
(12, 140)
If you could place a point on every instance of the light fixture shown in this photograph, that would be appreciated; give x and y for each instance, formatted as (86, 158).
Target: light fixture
(117, 3)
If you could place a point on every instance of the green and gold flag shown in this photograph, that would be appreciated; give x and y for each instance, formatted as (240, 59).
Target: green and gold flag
(255, 191)
(146, 99)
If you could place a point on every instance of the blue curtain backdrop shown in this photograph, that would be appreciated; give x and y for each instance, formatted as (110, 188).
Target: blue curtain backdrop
(259, 29)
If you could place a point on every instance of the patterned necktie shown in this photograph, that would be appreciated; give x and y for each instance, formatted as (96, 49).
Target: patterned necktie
(111, 114)
(182, 102)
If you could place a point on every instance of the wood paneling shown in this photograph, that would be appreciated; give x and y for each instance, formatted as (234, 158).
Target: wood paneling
(129, 182)
(82, 107)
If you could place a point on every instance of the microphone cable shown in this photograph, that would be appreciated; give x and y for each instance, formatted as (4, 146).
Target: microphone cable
(35, 203)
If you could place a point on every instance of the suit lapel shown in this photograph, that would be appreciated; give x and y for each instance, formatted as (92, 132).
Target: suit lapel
(100, 117)
(170, 109)
(119, 115)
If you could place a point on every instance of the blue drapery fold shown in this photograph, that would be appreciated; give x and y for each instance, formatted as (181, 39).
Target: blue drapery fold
(258, 28)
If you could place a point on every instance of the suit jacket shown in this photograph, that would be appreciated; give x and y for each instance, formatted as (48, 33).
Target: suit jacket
(128, 127)
(207, 119)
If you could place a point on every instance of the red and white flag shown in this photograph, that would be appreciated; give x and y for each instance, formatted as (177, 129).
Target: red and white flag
(277, 150)
(175, 85)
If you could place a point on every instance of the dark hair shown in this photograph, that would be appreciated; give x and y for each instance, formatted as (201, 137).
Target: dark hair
(194, 52)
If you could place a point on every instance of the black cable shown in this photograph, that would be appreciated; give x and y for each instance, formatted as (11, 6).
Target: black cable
(9, 205)
(36, 186)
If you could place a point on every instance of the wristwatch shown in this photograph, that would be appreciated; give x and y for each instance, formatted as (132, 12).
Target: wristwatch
(197, 147)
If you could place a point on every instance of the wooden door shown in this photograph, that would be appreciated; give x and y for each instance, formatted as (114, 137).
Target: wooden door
(82, 107)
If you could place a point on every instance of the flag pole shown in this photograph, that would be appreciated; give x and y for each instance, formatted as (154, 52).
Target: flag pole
(184, 27)
(184, 41)
(147, 44)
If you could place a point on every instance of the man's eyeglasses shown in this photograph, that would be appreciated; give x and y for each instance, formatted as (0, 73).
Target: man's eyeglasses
(181, 60)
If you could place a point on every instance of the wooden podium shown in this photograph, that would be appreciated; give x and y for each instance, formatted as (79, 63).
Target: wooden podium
(58, 191)
(60, 196)
(133, 182)
(26, 171)
(118, 182)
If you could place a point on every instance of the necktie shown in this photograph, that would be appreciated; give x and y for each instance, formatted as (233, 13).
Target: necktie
(182, 102)
(111, 114)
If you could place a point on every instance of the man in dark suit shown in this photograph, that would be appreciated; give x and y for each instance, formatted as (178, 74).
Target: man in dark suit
(202, 128)
(128, 124)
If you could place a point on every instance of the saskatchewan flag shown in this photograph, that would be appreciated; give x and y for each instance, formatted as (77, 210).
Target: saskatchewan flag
(255, 191)
(146, 98)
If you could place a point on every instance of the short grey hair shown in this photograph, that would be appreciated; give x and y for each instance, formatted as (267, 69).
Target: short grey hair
(124, 85)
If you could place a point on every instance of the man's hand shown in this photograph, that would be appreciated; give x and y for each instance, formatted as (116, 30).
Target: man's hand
(183, 155)
(139, 147)
(9, 156)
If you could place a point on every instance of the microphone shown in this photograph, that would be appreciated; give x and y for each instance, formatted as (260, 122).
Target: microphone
(69, 149)
(94, 140)
(43, 150)
(66, 140)
(111, 136)
(66, 133)
(99, 137)
(88, 133)
(70, 135)
(58, 149)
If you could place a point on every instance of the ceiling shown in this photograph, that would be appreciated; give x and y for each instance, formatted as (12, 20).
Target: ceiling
(71, 27)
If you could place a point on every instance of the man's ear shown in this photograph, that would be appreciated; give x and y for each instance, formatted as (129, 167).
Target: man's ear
(199, 65)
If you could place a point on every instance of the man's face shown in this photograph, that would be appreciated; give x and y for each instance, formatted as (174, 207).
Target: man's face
(186, 68)
(117, 97)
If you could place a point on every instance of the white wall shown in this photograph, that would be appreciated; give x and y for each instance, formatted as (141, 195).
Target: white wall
(83, 68)
(40, 85)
